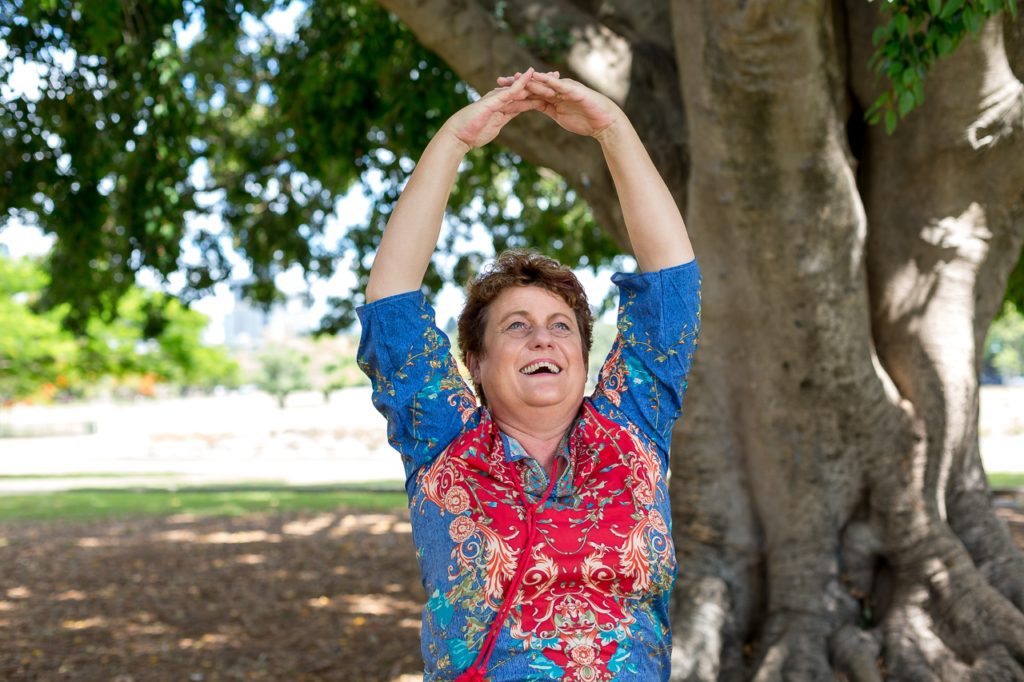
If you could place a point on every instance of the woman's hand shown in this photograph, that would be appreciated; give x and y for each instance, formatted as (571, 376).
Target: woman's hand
(480, 122)
(655, 226)
(571, 104)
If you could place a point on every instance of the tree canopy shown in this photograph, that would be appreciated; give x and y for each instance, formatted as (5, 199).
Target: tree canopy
(168, 122)
(133, 136)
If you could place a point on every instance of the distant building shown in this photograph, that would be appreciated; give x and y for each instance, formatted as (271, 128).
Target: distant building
(249, 327)
(244, 325)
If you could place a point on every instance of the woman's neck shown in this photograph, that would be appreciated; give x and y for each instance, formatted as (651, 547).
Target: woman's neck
(542, 445)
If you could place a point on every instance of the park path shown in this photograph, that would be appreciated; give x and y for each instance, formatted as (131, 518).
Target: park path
(245, 438)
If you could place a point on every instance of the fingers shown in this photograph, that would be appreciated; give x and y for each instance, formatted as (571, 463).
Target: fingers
(506, 81)
(540, 90)
(519, 106)
(520, 83)
(561, 86)
(513, 90)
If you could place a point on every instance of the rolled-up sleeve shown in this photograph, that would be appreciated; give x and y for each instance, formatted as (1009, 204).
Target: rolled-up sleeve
(416, 382)
(644, 376)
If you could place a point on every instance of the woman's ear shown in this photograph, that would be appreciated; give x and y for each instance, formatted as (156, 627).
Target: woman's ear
(473, 365)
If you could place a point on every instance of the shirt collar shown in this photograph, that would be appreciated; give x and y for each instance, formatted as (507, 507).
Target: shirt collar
(514, 451)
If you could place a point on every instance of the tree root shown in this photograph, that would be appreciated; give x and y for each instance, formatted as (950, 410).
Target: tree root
(987, 539)
(795, 649)
(947, 622)
(915, 652)
(978, 616)
(698, 628)
(855, 653)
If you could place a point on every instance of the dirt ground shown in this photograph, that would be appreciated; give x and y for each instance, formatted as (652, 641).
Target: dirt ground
(314, 596)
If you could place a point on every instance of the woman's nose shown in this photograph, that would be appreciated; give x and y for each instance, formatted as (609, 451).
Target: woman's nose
(541, 336)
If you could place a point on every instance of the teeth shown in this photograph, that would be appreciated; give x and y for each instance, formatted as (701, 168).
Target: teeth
(539, 365)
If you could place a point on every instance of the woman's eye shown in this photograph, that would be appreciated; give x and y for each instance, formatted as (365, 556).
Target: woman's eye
(517, 326)
(563, 326)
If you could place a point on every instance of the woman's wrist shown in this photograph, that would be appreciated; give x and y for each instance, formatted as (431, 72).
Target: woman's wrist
(614, 132)
(449, 141)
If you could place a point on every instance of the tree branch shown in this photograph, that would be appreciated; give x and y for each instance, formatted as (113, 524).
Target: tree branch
(637, 72)
(470, 39)
(638, 22)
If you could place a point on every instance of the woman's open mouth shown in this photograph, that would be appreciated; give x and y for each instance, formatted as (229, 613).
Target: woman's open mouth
(541, 367)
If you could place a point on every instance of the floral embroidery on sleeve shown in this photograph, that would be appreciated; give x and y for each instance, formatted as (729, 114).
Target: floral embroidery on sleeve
(416, 383)
(645, 372)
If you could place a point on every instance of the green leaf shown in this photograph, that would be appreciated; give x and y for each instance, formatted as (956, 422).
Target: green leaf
(971, 20)
(901, 24)
(895, 73)
(890, 121)
(935, 7)
(951, 8)
(874, 113)
(919, 92)
(906, 103)
(880, 33)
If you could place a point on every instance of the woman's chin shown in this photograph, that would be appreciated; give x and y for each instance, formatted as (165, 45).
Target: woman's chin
(548, 398)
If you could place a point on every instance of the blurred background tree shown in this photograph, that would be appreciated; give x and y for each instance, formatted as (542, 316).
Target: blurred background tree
(1004, 350)
(282, 371)
(35, 350)
(149, 335)
(148, 152)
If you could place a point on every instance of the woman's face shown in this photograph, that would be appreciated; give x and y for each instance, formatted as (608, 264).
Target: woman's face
(533, 354)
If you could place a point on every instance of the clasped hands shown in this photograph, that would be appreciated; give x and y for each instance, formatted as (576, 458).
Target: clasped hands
(569, 103)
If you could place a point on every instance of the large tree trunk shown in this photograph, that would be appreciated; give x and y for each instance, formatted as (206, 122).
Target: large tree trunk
(831, 511)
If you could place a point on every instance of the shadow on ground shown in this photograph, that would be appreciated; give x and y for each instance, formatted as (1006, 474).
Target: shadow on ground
(298, 597)
(301, 596)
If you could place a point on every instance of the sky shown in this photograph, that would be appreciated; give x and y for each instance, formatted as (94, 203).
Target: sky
(352, 209)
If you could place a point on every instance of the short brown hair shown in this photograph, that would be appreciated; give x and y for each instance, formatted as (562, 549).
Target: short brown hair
(519, 268)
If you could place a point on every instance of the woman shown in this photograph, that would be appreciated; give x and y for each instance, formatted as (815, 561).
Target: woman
(540, 517)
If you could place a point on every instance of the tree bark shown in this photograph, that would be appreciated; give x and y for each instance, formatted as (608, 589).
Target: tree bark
(831, 510)
(780, 231)
(944, 239)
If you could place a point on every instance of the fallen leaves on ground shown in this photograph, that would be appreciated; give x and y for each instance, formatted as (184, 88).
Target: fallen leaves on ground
(300, 596)
(297, 597)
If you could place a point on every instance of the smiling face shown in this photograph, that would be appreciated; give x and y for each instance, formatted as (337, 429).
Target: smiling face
(533, 354)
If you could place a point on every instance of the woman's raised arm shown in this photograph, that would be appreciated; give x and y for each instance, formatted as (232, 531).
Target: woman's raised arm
(413, 229)
(655, 226)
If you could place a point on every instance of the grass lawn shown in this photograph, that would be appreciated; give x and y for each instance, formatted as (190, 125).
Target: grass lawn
(95, 504)
(84, 474)
(243, 498)
(998, 480)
